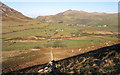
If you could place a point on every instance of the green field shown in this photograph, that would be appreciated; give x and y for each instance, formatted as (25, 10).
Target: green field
(42, 44)
(12, 30)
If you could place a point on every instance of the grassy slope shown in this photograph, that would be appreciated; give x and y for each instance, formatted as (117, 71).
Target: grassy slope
(39, 28)
(77, 17)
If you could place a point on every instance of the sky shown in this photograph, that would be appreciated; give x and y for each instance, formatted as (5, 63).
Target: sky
(60, 0)
(34, 9)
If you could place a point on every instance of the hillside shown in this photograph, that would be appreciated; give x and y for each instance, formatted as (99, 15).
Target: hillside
(104, 60)
(75, 17)
(27, 42)
(9, 14)
(19, 35)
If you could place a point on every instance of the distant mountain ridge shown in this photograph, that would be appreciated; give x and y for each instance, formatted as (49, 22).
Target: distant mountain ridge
(67, 17)
(11, 14)
(82, 17)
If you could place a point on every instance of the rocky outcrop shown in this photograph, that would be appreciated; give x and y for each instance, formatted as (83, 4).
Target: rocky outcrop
(102, 61)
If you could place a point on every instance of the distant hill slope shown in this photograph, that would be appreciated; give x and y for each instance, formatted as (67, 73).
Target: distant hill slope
(11, 14)
(81, 17)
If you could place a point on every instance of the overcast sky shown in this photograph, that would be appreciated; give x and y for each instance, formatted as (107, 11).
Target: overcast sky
(34, 9)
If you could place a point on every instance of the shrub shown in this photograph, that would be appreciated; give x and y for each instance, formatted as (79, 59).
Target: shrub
(58, 44)
(37, 47)
(48, 45)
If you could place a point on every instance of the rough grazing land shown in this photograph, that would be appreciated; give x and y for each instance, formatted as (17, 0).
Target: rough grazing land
(104, 60)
